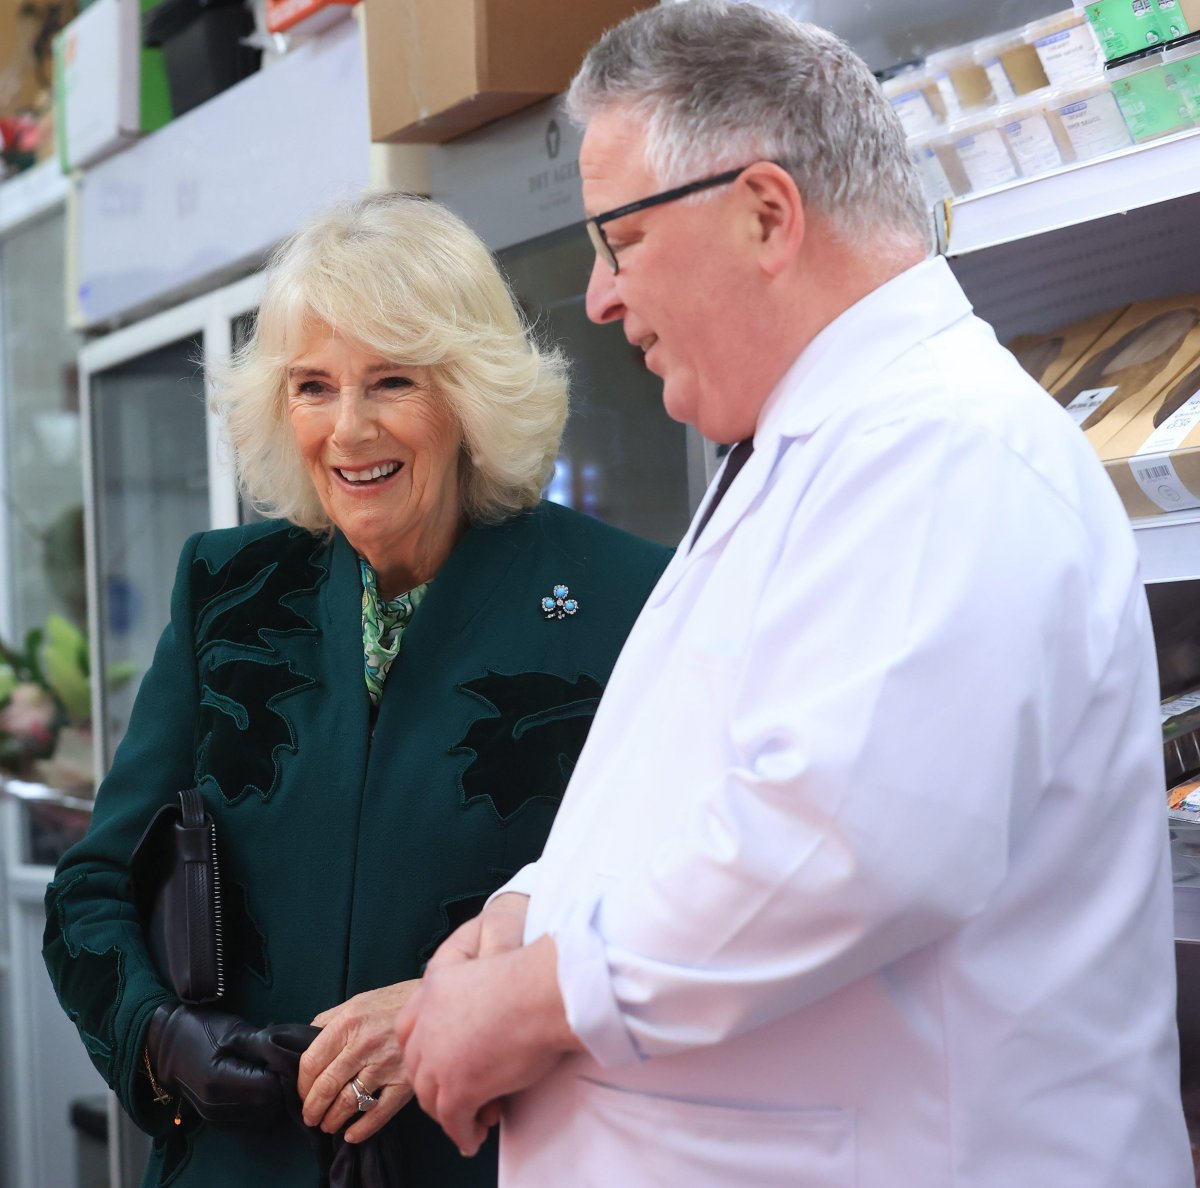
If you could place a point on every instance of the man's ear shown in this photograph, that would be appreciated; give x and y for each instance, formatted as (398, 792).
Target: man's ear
(778, 218)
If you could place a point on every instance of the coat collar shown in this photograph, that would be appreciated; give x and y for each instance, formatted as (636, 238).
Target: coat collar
(835, 371)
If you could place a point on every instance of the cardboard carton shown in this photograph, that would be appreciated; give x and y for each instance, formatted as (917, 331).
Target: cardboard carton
(1131, 363)
(437, 69)
(1154, 461)
(1048, 357)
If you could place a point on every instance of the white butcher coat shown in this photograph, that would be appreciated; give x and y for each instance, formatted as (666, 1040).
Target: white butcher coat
(862, 876)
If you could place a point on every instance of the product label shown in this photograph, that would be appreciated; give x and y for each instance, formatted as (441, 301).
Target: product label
(1095, 125)
(1152, 104)
(1170, 435)
(933, 177)
(1033, 145)
(986, 159)
(998, 77)
(1125, 26)
(945, 86)
(1087, 402)
(1068, 55)
(1161, 484)
(916, 115)
(1180, 705)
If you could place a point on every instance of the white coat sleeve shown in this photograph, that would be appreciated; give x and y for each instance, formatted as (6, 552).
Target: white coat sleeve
(888, 715)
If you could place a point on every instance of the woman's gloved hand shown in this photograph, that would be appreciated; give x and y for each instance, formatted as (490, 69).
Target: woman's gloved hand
(224, 1067)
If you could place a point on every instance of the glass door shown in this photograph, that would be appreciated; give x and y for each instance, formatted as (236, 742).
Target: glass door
(151, 491)
(623, 459)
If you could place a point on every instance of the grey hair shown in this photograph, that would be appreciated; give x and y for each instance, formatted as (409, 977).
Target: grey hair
(411, 282)
(719, 85)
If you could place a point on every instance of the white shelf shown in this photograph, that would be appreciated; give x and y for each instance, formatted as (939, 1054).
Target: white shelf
(1077, 194)
(31, 194)
(1169, 546)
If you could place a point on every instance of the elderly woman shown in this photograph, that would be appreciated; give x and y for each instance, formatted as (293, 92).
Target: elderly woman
(380, 692)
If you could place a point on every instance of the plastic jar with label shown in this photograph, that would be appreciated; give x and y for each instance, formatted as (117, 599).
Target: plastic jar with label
(935, 180)
(1065, 46)
(1037, 143)
(920, 111)
(961, 82)
(1088, 116)
(982, 152)
(1011, 65)
(1154, 102)
(1126, 27)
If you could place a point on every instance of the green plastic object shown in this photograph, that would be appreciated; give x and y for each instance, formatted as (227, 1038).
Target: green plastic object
(156, 96)
(1125, 27)
(1152, 105)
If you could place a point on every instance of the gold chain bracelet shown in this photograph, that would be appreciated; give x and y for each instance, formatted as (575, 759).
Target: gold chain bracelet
(160, 1094)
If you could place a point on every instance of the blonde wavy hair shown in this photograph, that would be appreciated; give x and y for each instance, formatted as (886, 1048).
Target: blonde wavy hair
(412, 283)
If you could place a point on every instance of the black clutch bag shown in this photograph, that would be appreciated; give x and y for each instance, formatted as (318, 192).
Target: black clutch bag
(177, 892)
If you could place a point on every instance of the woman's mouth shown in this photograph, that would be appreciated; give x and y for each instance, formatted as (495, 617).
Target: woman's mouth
(369, 475)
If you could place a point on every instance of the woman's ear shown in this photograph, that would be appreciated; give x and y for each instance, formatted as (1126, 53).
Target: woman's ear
(777, 212)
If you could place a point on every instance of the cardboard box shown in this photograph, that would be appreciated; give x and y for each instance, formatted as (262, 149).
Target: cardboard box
(1154, 462)
(108, 90)
(439, 68)
(1134, 361)
(1048, 357)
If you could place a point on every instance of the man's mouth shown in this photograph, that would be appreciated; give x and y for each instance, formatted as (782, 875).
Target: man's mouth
(372, 474)
(647, 342)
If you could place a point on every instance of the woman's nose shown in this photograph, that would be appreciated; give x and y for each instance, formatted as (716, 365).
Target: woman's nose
(355, 418)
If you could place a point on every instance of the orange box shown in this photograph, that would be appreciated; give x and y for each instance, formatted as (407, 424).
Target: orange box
(285, 14)
(437, 69)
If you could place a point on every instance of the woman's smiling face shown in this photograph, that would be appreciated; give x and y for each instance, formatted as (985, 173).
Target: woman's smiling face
(382, 450)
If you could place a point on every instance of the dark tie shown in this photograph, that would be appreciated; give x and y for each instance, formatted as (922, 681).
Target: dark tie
(733, 463)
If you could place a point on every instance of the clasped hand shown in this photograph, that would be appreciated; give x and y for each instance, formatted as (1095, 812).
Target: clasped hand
(487, 1021)
(357, 1039)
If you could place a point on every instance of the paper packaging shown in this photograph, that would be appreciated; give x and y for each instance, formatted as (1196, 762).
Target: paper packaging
(1153, 103)
(1155, 460)
(1140, 355)
(108, 90)
(1048, 357)
(1125, 27)
(439, 68)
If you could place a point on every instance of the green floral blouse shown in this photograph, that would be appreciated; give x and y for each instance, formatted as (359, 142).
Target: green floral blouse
(383, 624)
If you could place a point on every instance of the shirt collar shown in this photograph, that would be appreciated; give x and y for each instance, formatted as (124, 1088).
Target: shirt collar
(858, 344)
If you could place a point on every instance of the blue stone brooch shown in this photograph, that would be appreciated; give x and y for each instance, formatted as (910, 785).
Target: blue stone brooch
(557, 605)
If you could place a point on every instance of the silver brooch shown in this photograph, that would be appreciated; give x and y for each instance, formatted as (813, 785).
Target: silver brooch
(557, 605)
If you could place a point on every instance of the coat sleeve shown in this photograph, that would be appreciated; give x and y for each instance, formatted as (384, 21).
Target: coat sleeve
(885, 709)
(93, 944)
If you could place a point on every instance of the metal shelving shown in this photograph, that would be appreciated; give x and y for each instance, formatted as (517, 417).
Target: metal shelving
(1120, 182)
(1052, 249)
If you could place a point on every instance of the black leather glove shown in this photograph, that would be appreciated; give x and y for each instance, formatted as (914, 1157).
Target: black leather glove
(222, 1066)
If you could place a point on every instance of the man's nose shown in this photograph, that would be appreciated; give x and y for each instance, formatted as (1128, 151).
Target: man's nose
(603, 302)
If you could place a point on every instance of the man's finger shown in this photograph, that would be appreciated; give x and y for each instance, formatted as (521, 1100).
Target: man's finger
(460, 1122)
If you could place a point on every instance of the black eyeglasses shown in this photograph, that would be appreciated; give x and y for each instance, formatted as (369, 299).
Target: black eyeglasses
(595, 226)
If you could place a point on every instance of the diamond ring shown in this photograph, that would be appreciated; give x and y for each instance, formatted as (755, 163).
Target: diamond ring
(366, 1101)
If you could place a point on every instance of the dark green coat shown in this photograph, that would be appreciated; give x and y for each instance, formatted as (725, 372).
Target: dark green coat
(346, 857)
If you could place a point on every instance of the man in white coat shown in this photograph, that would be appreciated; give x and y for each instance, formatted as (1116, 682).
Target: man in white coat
(862, 877)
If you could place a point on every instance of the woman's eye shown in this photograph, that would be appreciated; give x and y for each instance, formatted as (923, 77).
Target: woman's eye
(395, 382)
(310, 388)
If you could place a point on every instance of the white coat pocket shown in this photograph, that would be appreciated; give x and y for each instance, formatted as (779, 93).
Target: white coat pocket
(639, 1141)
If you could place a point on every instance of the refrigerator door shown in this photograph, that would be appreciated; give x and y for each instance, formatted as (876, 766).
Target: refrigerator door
(149, 469)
